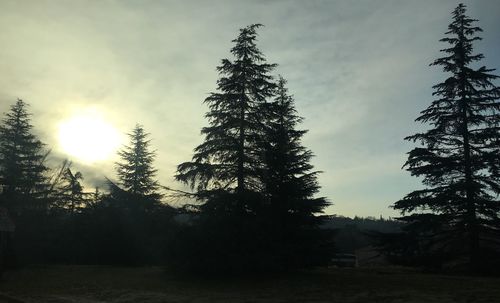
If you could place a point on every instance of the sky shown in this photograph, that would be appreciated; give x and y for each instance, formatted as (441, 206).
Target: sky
(358, 69)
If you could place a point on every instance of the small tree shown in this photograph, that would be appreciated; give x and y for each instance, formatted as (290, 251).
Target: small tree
(135, 170)
(459, 156)
(72, 191)
(66, 189)
(22, 156)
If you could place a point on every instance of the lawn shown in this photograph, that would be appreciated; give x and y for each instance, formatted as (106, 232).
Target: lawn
(151, 284)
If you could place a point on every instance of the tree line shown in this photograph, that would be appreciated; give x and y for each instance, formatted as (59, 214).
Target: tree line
(251, 179)
(254, 191)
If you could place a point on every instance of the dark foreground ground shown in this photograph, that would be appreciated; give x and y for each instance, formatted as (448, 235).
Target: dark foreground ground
(151, 284)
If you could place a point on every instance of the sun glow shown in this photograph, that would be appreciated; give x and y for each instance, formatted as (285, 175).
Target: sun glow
(88, 137)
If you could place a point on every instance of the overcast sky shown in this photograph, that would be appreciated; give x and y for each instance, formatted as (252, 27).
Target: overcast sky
(358, 70)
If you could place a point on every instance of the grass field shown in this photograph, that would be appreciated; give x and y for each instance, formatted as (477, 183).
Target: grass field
(151, 284)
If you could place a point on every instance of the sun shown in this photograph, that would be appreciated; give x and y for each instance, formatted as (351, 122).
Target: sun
(88, 137)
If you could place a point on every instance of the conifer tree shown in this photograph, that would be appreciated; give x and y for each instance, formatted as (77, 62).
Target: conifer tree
(135, 170)
(253, 175)
(71, 193)
(66, 191)
(228, 158)
(291, 212)
(22, 156)
(458, 157)
(289, 181)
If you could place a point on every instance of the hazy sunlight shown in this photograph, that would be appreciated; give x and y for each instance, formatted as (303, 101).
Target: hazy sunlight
(88, 137)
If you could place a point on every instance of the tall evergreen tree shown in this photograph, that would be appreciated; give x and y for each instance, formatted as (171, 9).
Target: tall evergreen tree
(289, 181)
(459, 156)
(253, 175)
(228, 158)
(135, 170)
(22, 156)
(291, 212)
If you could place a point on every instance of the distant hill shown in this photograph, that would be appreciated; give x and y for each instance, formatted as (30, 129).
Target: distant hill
(353, 233)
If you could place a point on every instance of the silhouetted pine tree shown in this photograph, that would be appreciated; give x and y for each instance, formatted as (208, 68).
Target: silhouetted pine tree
(71, 193)
(135, 170)
(290, 184)
(459, 156)
(228, 158)
(66, 190)
(22, 155)
(289, 181)
(225, 168)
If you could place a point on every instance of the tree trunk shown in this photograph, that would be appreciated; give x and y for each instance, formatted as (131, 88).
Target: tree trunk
(471, 219)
